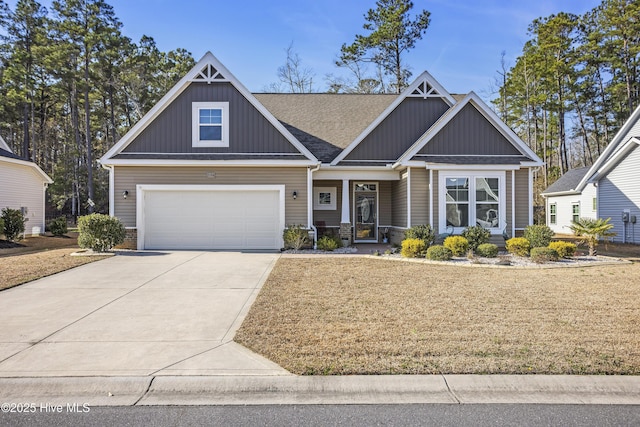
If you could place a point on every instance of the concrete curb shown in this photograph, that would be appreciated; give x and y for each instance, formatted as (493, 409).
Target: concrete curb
(262, 390)
(94, 391)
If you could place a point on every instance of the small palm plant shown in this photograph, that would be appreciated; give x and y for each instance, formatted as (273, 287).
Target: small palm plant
(591, 230)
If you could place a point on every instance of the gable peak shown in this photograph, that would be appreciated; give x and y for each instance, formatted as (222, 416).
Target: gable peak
(425, 90)
(209, 74)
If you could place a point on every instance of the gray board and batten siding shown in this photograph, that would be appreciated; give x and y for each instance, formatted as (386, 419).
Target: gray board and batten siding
(399, 130)
(469, 133)
(249, 130)
(619, 191)
(293, 178)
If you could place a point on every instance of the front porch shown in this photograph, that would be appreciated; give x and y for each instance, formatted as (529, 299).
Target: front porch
(378, 206)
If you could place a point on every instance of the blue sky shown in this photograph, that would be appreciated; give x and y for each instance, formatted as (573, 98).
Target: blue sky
(461, 48)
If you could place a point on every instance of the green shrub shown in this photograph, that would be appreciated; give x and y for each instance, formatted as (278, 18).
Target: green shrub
(476, 235)
(564, 249)
(58, 226)
(1, 226)
(488, 250)
(539, 236)
(458, 245)
(439, 253)
(13, 223)
(422, 232)
(413, 248)
(518, 246)
(100, 232)
(542, 255)
(295, 237)
(328, 243)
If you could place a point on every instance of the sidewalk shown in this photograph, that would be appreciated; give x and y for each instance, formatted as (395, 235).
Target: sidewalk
(262, 390)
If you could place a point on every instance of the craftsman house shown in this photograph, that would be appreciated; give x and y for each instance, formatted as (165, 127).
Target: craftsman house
(214, 166)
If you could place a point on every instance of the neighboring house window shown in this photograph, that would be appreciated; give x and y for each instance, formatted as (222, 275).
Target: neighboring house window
(595, 204)
(575, 212)
(473, 199)
(553, 213)
(210, 124)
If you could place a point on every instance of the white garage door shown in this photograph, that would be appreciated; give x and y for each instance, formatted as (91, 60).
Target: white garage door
(212, 219)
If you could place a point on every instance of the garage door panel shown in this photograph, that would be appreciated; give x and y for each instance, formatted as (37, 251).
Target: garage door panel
(212, 219)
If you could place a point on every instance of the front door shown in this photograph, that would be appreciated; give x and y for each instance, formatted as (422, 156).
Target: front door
(366, 212)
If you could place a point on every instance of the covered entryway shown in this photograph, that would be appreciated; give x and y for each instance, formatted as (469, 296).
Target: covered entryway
(210, 217)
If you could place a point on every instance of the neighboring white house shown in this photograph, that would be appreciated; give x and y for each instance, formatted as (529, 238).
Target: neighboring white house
(22, 186)
(565, 204)
(608, 189)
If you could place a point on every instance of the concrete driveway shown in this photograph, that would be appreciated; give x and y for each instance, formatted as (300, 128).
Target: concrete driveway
(146, 313)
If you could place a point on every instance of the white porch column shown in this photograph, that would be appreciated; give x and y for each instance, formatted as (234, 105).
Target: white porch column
(345, 217)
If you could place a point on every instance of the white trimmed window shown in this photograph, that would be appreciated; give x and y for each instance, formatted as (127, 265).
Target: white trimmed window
(472, 198)
(553, 213)
(210, 126)
(575, 212)
(324, 198)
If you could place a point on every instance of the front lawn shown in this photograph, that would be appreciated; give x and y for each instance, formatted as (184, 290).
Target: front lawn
(35, 257)
(357, 315)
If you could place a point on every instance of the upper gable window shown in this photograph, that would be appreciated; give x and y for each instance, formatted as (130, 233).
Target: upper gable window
(210, 124)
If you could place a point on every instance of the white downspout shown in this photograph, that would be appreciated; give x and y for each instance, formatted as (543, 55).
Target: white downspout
(431, 199)
(408, 197)
(513, 203)
(310, 172)
(530, 196)
(112, 182)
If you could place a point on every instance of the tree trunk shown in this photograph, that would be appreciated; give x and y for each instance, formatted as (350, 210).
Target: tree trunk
(25, 129)
(87, 111)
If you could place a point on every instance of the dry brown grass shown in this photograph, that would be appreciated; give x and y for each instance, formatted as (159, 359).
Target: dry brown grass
(22, 268)
(373, 316)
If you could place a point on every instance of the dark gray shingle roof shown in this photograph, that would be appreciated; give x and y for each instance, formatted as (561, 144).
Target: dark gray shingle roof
(567, 182)
(473, 160)
(325, 123)
(9, 154)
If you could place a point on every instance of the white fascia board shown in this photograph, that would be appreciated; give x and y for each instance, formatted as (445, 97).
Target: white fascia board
(625, 149)
(560, 193)
(358, 174)
(247, 163)
(611, 148)
(425, 76)
(4, 145)
(178, 88)
(27, 163)
(483, 109)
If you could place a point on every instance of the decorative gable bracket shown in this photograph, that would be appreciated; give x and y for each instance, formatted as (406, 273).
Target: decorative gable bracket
(209, 75)
(425, 90)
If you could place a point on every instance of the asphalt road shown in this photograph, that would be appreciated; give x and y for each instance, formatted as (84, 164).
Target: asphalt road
(334, 415)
